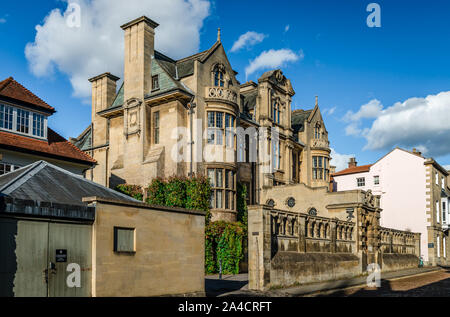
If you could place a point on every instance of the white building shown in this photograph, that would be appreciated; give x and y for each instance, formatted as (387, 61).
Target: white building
(414, 194)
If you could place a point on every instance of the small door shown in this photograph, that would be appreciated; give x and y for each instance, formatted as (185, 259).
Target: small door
(73, 242)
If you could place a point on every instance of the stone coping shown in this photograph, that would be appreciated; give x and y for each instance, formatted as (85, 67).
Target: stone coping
(143, 205)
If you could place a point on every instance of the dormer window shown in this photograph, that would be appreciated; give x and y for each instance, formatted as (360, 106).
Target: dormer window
(6, 117)
(155, 82)
(22, 121)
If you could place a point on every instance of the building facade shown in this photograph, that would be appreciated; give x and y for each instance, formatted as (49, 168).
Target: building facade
(414, 194)
(181, 117)
(25, 136)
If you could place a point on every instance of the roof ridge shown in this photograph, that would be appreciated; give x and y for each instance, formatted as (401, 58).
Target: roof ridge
(29, 92)
(22, 177)
(5, 82)
(75, 147)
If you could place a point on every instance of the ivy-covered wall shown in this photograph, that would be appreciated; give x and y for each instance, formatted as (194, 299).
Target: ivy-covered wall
(224, 242)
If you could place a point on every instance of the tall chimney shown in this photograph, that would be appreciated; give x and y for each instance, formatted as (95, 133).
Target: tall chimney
(352, 163)
(139, 49)
(103, 93)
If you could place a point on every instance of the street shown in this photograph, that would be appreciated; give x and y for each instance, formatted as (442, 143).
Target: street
(433, 284)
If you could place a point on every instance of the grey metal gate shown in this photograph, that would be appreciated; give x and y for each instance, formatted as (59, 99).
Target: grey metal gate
(28, 258)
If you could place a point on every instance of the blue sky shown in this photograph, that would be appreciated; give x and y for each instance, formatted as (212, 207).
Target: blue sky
(390, 69)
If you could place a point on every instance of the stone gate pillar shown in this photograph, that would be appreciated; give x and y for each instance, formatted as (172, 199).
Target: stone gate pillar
(259, 247)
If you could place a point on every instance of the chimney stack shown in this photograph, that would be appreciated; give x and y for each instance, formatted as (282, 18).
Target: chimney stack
(139, 49)
(416, 152)
(352, 163)
(104, 88)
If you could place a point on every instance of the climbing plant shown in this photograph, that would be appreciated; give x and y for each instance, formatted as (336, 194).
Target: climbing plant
(134, 191)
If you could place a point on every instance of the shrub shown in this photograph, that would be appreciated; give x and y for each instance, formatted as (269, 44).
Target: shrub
(175, 192)
(242, 204)
(156, 192)
(198, 195)
(134, 191)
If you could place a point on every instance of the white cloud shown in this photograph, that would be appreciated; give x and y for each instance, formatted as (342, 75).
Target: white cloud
(329, 111)
(340, 160)
(422, 123)
(417, 122)
(286, 28)
(247, 40)
(2, 20)
(97, 46)
(272, 59)
(368, 111)
(447, 167)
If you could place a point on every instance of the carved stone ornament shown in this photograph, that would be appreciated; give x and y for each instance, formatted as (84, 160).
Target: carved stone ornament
(132, 116)
(370, 199)
(290, 202)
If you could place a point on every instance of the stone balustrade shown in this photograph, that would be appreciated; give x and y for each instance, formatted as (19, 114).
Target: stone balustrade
(221, 93)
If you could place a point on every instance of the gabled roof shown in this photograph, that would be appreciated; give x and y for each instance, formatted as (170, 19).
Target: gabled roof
(33, 183)
(11, 89)
(354, 170)
(84, 141)
(298, 119)
(55, 147)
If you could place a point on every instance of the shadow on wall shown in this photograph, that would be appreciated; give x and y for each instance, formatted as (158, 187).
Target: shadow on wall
(8, 260)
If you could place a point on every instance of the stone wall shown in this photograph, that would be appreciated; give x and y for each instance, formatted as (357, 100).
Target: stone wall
(169, 256)
(289, 248)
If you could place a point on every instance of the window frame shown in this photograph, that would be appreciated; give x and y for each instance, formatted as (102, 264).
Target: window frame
(361, 182)
(23, 121)
(376, 180)
(155, 87)
(156, 127)
(225, 192)
(116, 242)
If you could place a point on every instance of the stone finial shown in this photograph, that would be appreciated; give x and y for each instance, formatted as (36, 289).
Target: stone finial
(317, 100)
(218, 35)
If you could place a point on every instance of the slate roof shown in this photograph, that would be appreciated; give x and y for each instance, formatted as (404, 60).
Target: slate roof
(11, 89)
(298, 119)
(249, 99)
(44, 182)
(55, 146)
(84, 141)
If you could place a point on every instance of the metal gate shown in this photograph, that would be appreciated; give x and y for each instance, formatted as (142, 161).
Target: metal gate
(35, 256)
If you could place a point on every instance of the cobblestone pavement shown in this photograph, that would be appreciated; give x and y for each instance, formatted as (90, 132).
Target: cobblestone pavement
(433, 284)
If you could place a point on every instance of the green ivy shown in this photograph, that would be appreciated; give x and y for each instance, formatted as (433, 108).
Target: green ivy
(223, 241)
(134, 191)
(224, 244)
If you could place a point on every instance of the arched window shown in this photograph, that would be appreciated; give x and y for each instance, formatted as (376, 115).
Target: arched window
(219, 80)
(317, 131)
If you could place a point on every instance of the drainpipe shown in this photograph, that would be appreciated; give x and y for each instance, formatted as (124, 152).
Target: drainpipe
(191, 107)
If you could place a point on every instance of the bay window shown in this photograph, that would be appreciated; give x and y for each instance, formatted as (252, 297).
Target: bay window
(223, 188)
(220, 124)
(321, 170)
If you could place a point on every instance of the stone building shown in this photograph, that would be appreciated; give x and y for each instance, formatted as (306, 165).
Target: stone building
(25, 136)
(136, 131)
(414, 194)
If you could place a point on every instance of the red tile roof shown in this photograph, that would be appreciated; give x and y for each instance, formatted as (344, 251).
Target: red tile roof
(12, 89)
(56, 146)
(353, 170)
